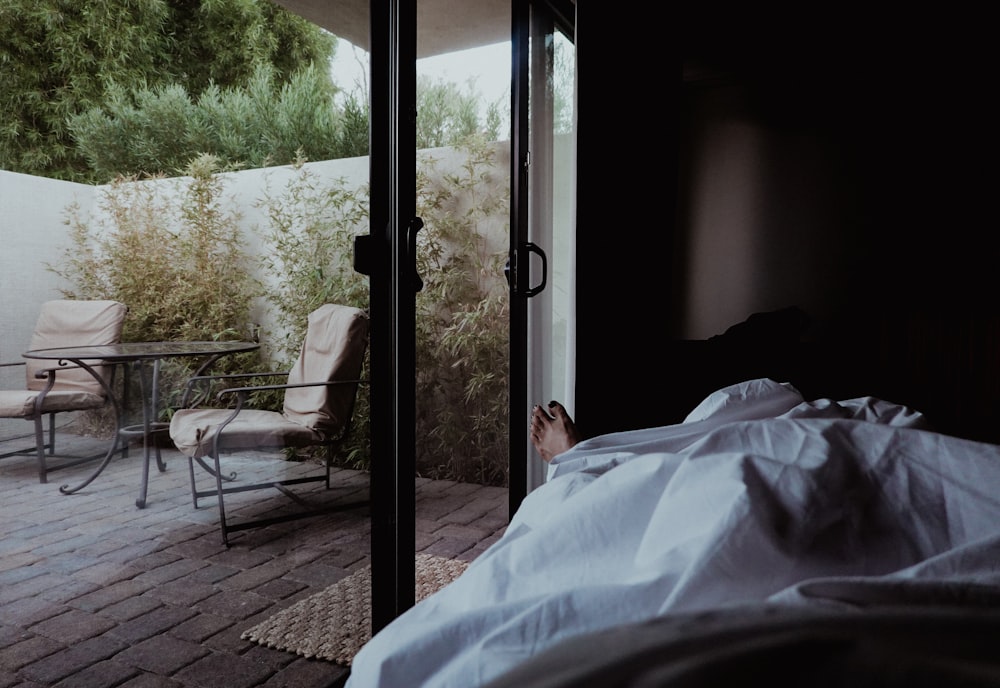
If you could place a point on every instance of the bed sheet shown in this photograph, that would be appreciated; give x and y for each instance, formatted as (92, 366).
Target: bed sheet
(758, 497)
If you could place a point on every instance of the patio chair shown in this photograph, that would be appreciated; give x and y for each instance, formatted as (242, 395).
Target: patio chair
(49, 389)
(318, 407)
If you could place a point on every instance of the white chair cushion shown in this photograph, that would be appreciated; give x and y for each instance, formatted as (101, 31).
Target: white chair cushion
(193, 431)
(20, 403)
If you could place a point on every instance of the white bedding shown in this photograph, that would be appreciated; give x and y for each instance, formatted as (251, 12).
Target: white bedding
(758, 496)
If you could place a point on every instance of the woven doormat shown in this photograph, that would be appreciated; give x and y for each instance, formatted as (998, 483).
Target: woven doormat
(334, 623)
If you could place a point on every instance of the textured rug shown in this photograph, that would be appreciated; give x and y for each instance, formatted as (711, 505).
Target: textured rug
(334, 623)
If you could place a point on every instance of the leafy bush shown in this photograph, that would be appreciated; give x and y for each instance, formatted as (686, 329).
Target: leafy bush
(173, 252)
(462, 320)
(179, 262)
(309, 239)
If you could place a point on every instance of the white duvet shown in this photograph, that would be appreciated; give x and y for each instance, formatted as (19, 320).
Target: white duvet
(757, 496)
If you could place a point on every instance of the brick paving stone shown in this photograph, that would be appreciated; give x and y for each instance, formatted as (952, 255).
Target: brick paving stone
(147, 680)
(183, 592)
(129, 553)
(69, 590)
(279, 589)
(198, 548)
(111, 594)
(169, 571)
(317, 574)
(155, 560)
(148, 625)
(107, 572)
(200, 627)
(163, 578)
(212, 573)
(30, 586)
(11, 634)
(224, 669)
(240, 557)
(73, 627)
(57, 666)
(16, 560)
(162, 654)
(70, 543)
(30, 610)
(229, 640)
(131, 608)
(23, 573)
(307, 673)
(66, 563)
(255, 577)
(107, 674)
(470, 533)
(450, 548)
(101, 546)
(233, 605)
(425, 540)
(276, 659)
(31, 649)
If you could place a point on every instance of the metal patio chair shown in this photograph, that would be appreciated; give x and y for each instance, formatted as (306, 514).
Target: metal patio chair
(318, 407)
(49, 389)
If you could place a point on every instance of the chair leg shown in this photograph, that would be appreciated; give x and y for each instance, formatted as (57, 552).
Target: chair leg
(52, 434)
(43, 471)
(222, 504)
(194, 488)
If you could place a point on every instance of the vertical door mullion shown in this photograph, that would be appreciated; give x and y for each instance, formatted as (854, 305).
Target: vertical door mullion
(518, 383)
(393, 207)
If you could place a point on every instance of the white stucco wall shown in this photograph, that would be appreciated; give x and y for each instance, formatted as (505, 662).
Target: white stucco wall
(34, 232)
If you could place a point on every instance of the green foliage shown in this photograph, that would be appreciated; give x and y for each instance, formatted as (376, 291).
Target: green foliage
(174, 254)
(177, 259)
(447, 114)
(311, 225)
(59, 59)
(258, 124)
(309, 239)
(462, 311)
(462, 320)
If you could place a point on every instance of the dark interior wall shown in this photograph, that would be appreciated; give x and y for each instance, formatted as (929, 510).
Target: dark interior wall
(626, 181)
(850, 179)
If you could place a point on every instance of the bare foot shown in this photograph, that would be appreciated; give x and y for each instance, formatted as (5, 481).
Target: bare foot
(553, 434)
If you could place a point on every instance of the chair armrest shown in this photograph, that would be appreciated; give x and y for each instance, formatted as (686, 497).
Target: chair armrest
(191, 399)
(243, 391)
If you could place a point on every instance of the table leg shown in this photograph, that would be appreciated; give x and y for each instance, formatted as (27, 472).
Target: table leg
(114, 448)
(149, 426)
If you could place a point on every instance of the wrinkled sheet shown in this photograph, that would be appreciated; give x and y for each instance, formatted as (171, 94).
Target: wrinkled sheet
(759, 496)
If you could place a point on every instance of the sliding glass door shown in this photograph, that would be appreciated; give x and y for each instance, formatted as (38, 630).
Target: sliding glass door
(543, 222)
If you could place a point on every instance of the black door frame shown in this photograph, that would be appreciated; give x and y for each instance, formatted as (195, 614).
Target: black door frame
(561, 14)
(392, 267)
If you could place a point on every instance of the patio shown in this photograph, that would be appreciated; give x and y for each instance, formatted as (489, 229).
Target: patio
(95, 592)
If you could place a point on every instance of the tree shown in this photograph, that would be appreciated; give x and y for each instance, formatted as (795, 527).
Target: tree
(60, 59)
(448, 114)
(256, 125)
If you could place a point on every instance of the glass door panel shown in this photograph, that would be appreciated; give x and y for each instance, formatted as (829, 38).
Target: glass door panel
(550, 194)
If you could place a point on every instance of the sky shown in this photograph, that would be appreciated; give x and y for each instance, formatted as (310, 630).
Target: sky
(488, 65)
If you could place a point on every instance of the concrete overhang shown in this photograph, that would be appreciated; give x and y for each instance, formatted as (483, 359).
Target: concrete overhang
(445, 26)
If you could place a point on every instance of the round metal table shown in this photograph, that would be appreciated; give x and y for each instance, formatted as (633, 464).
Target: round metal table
(141, 356)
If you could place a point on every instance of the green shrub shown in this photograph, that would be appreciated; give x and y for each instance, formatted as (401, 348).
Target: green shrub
(174, 254)
(309, 239)
(178, 260)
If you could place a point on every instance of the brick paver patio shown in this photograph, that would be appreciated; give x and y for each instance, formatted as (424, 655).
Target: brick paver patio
(96, 593)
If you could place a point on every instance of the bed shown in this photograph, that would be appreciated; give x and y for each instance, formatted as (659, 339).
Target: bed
(803, 542)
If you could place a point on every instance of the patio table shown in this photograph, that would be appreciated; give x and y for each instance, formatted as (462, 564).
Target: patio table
(141, 356)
